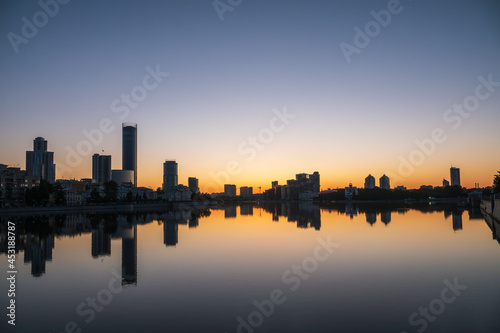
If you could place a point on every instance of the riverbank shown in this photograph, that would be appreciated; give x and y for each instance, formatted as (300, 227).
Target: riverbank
(487, 209)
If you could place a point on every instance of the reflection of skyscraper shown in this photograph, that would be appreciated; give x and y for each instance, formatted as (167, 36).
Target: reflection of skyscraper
(385, 217)
(371, 217)
(170, 233)
(193, 221)
(246, 209)
(457, 220)
(129, 148)
(229, 212)
(129, 255)
(170, 178)
(101, 168)
(37, 251)
(40, 162)
(101, 242)
(455, 176)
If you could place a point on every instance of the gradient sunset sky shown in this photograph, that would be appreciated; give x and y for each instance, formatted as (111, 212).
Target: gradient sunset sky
(228, 78)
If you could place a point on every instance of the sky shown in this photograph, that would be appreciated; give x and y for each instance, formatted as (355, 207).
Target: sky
(250, 91)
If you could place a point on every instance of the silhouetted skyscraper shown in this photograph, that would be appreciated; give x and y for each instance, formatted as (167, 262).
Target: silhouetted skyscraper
(369, 182)
(101, 168)
(170, 178)
(455, 176)
(385, 182)
(129, 148)
(40, 162)
(193, 184)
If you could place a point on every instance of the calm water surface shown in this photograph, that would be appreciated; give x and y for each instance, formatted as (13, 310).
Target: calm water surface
(277, 268)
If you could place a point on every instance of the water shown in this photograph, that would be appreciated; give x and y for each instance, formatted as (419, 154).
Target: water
(278, 268)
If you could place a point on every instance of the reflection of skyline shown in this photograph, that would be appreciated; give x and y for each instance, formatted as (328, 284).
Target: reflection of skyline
(306, 214)
(36, 236)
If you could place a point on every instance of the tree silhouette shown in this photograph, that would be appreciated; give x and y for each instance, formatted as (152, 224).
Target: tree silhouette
(496, 182)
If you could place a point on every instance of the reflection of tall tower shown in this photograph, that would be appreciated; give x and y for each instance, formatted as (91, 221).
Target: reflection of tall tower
(385, 217)
(170, 233)
(371, 217)
(101, 242)
(38, 251)
(129, 255)
(129, 148)
(229, 212)
(457, 220)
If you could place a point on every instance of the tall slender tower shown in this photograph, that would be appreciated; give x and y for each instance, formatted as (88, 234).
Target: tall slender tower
(170, 178)
(455, 176)
(129, 148)
(40, 162)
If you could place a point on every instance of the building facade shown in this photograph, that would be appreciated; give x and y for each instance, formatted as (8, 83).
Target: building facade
(129, 148)
(455, 176)
(385, 182)
(230, 190)
(369, 182)
(101, 168)
(193, 184)
(170, 178)
(40, 162)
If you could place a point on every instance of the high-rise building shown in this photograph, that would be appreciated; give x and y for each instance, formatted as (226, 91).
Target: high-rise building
(40, 162)
(193, 184)
(246, 191)
(230, 190)
(101, 168)
(129, 148)
(385, 182)
(446, 183)
(455, 176)
(170, 178)
(369, 182)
